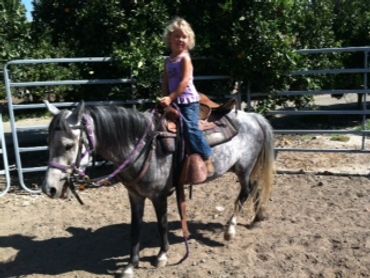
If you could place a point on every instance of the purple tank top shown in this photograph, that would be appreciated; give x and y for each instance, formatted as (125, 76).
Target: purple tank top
(174, 73)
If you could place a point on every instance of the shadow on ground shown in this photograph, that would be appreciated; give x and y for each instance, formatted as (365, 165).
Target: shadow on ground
(96, 252)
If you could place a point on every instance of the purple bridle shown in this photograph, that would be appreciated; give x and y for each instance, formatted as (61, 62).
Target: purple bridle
(87, 126)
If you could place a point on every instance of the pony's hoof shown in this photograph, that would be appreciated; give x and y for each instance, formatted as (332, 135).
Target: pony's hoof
(230, 231)
(127, 272)
(229, 234)
(161, 260)
(260, 216)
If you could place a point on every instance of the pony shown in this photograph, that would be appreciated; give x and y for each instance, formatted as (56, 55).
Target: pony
(127, 137)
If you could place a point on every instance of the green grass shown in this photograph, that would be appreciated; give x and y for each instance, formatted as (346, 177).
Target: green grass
(340, 138)
(360, 127)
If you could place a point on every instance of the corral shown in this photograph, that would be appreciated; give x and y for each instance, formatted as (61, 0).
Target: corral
(317, 227)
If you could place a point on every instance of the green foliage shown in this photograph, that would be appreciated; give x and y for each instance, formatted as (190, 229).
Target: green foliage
(129, 31)
(340, 138)
(253, 41)
(45, 72)
(14, 33)
(143, 51)
(14, 30)
(256, 40)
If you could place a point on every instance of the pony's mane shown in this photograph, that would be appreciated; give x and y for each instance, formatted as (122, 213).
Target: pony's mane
(117, 126)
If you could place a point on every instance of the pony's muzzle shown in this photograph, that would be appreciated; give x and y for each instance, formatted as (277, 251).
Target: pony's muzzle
(54, 192)
(50, 191)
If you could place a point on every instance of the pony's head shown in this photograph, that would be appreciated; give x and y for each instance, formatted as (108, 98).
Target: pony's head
(68, 151)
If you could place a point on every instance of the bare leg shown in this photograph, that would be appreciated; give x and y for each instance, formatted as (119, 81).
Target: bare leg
(137, 211)
(160, 205)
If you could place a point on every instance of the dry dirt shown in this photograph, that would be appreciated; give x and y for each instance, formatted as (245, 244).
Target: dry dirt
(318, 226)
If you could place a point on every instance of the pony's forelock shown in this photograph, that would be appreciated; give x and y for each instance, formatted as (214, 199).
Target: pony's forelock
(60, 123)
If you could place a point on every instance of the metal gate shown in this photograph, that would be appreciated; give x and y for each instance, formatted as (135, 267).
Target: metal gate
(363, 112)
(20, 149)
(4, 171)
(3, 152)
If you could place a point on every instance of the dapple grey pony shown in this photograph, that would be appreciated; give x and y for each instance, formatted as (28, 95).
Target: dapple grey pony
(115, 133)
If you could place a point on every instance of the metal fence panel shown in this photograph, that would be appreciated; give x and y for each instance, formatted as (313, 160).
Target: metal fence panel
(9, 86)
(362, 111)
(16, 130)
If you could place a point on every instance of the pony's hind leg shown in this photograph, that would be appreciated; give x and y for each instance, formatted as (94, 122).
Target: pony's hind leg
(259, 210)
(244, 193)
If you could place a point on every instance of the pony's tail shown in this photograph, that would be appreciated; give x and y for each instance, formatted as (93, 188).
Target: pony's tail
(262, 175)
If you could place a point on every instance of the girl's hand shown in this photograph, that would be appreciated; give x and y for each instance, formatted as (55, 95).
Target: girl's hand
(165, 101)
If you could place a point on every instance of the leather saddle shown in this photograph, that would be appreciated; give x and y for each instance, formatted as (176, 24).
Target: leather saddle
(214, 122)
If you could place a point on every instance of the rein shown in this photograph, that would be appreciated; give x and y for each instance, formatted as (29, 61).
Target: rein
(134, 154)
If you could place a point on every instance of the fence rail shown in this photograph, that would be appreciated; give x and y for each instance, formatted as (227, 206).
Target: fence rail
(20, 150)
(363, 112)
(9, 86)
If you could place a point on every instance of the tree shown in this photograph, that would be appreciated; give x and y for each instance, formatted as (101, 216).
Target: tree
(14, 33)
(14, 30)
(128, 30)
(352, 28)
(254, 41)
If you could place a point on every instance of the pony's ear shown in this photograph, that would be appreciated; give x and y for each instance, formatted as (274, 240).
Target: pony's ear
(78, 112)
(52, 108)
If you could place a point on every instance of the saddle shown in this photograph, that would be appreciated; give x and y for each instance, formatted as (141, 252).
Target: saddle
(214, 122)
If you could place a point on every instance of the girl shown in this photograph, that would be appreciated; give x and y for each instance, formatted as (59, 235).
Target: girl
(178, 86)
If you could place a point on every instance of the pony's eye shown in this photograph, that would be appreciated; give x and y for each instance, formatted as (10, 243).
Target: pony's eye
(68, 147)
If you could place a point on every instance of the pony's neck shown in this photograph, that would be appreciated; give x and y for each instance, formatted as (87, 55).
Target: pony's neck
(117, 131)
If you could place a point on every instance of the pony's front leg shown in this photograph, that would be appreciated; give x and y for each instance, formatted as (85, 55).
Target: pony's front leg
(160, 205)
(137, 212)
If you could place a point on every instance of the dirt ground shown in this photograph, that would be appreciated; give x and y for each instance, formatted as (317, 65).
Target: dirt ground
(318, 226)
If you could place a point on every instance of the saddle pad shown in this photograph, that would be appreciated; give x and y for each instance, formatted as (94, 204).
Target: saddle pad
(223, 131)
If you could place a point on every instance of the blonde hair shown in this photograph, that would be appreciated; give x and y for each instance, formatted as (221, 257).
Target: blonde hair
(184, 26)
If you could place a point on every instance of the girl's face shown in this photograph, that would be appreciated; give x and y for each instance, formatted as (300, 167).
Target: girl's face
(179, 41)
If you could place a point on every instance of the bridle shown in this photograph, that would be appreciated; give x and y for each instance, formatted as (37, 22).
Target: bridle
(76, 175)
(74, 172)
